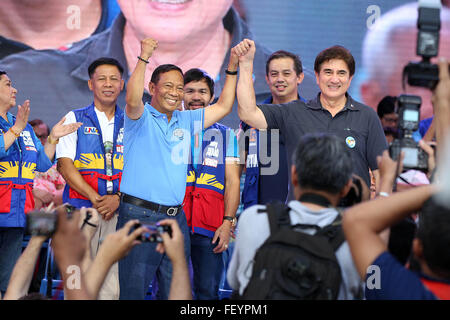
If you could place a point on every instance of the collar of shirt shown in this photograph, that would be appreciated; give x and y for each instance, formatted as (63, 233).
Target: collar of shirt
(269, 100)
(10, 122)
(156, 114)
(317, 105)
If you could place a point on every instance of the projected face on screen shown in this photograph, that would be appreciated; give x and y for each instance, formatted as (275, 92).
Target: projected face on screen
(170, 20)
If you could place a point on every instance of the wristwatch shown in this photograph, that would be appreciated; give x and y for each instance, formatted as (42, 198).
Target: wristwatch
(232, 219)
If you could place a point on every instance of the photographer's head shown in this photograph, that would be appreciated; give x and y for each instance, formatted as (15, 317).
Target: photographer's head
(386, 112)
(322, 162)
(433, 240)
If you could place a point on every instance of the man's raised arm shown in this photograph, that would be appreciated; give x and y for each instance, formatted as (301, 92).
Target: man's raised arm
(135, 86)
(247, 109)
(224, 104)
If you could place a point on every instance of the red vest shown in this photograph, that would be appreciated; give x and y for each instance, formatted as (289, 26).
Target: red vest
(205, 186)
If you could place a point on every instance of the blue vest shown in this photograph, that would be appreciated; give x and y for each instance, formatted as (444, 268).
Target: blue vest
(251, 192)
(251, 184)
(205, 186)
(17, 171)
(90, 159)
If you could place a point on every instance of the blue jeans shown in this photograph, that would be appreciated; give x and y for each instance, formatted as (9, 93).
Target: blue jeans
(208, 267)
(143, 262)
(10, 251)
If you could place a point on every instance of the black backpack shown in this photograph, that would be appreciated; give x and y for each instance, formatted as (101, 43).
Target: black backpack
(294, 265)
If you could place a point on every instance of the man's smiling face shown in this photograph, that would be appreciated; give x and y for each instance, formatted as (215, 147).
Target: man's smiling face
(196, 95)
(168, 93)
(106, 83)
(334, 78)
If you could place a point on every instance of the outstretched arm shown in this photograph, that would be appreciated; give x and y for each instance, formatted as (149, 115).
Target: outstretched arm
(180, 286)
(114, 247)
(59, 130)
(247, 109)
(135, 86)
(224, 104)
(363, 223)
(69, 247)
(441, 103)
(22, 274)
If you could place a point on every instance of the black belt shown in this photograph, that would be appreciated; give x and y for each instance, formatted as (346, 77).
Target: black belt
(169, 210)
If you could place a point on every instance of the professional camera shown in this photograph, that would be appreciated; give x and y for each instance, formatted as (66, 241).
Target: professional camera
(409, 115)
(424, 73)
(154, 234)
(42, 223)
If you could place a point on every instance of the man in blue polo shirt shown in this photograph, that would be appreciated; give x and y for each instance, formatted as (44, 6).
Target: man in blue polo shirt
(157, 140)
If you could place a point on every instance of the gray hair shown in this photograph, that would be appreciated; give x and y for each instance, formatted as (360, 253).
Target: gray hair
(323, 162)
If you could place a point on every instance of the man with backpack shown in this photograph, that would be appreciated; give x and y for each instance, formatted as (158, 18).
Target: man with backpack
(298, 251)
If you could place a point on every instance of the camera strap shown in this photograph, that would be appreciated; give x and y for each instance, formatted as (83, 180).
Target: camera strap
(315, 199)
(86, 221)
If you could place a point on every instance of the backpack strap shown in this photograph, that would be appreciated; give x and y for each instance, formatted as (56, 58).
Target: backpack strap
(278, 215)
(334, 232)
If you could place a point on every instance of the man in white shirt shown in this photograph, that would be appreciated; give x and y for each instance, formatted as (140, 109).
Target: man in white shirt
(91, 159)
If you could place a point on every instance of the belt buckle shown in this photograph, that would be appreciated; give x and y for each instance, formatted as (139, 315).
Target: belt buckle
(172, 211)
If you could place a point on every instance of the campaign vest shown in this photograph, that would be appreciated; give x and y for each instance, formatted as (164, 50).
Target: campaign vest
(251, 184)
(205, 186)
(90, 159)
(17, 171)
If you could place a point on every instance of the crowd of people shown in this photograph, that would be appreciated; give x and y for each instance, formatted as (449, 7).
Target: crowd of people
(146, 150)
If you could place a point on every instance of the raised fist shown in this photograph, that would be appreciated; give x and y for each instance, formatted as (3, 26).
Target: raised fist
(245, 50)
(147, 47)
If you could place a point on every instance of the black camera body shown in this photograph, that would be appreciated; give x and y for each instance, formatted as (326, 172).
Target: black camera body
(154, 234)
(40, 223)
(409, 117)
(415, 158)
(424, 73)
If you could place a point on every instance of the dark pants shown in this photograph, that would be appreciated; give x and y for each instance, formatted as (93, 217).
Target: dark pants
(143, 262)
(10, 251)
(208, 267)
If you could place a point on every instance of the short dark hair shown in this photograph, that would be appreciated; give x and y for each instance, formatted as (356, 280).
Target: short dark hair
(323, 162)
(335, 52)
(2, 72)
(386, 106)
(163, 68)
(285, 54)
(101, 61)
(38, 122)
(434, 223)
(196, 74)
